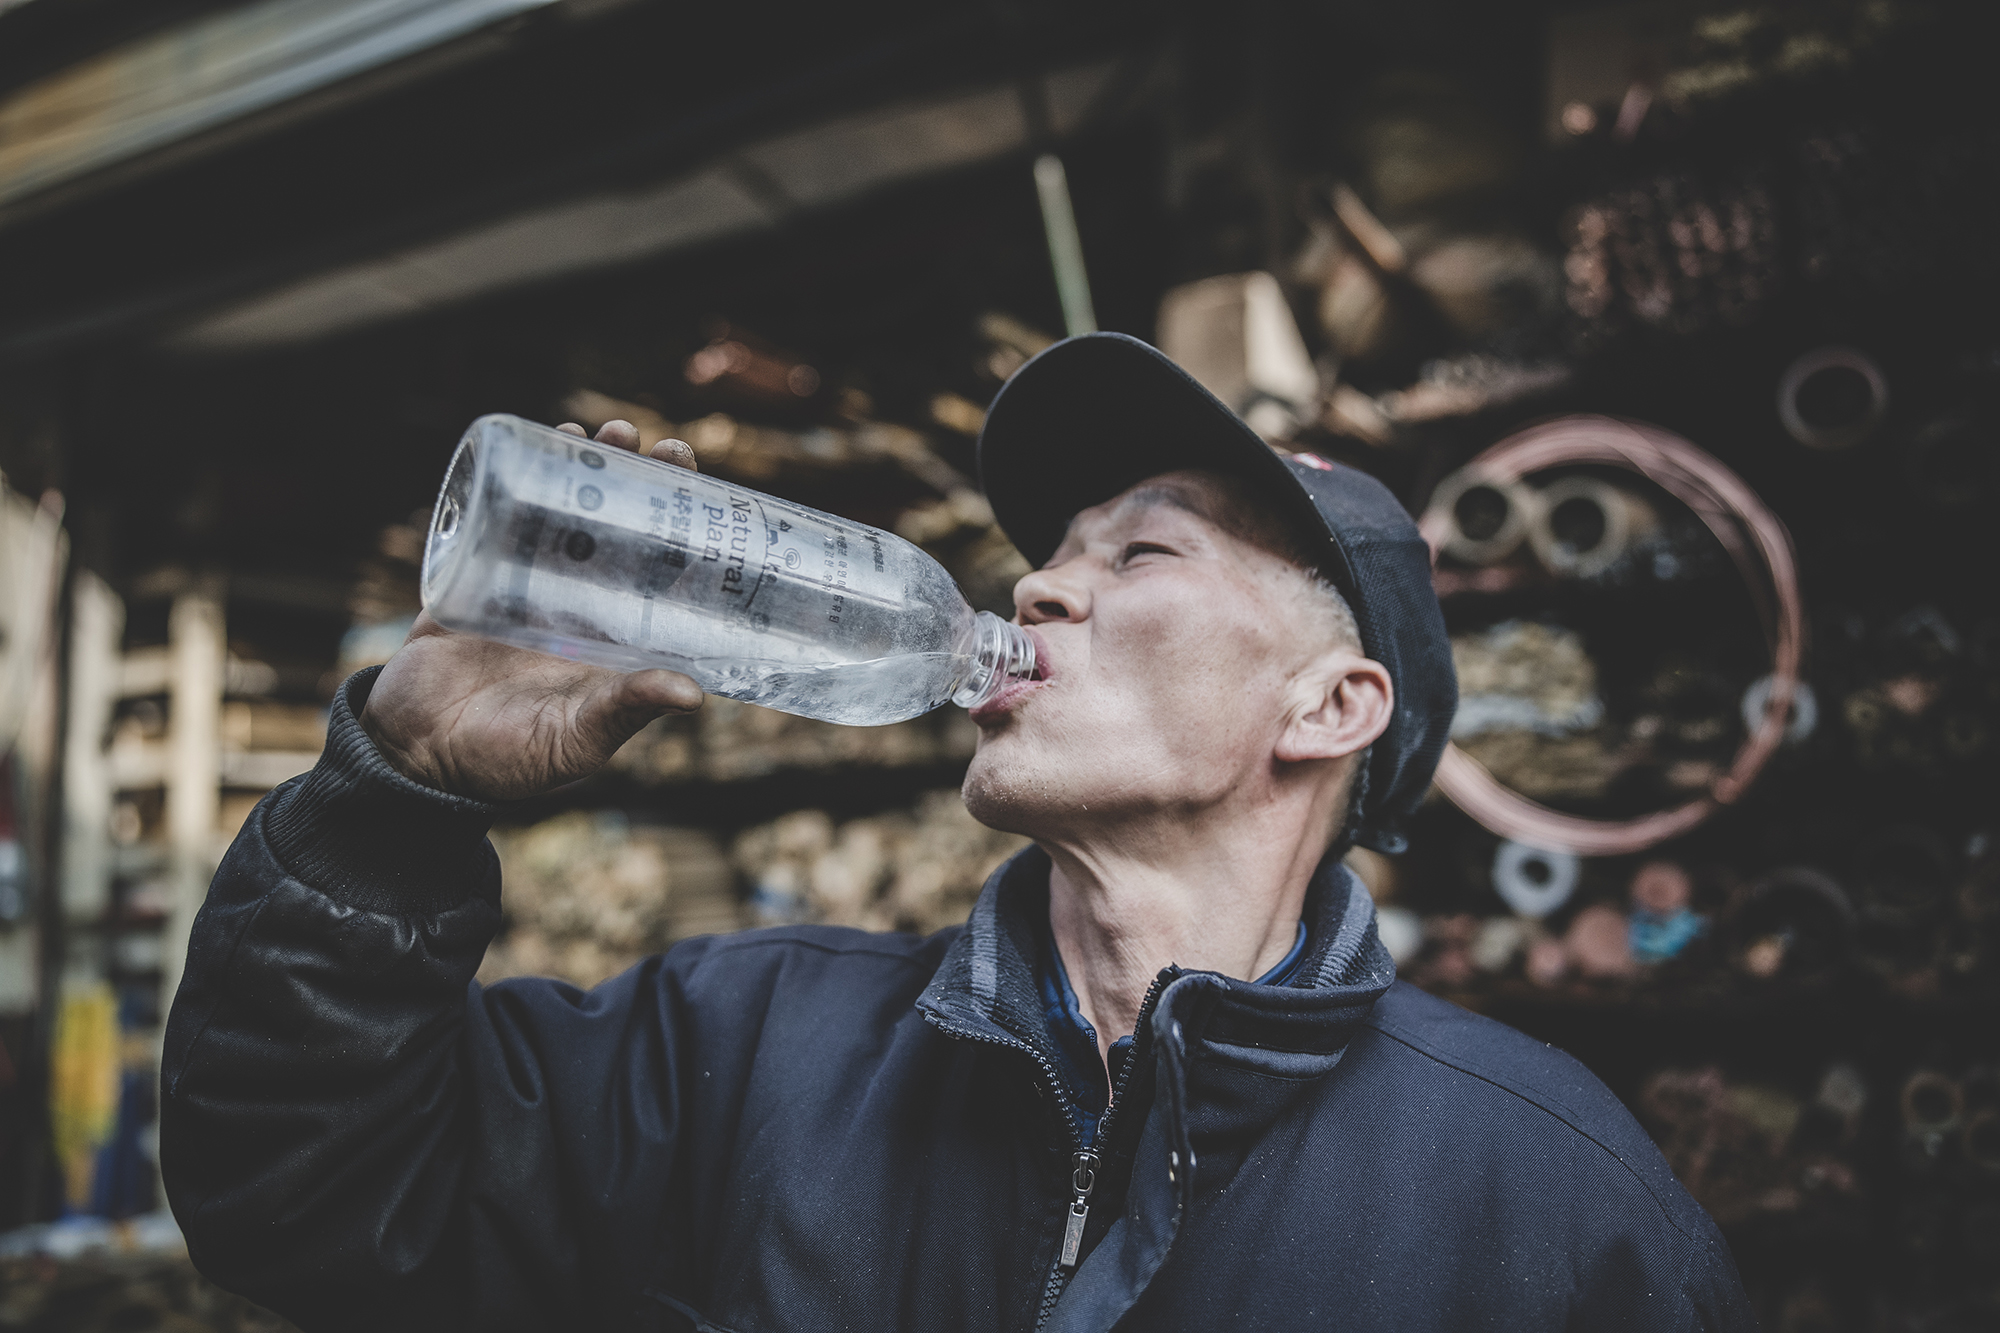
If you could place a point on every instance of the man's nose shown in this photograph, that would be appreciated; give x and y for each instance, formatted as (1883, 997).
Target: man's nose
(1049, 594)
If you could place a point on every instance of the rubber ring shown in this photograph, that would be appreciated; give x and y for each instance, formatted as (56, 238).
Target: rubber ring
(1532, 896)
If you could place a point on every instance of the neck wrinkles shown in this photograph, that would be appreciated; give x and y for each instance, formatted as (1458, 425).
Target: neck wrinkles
(1228, 904)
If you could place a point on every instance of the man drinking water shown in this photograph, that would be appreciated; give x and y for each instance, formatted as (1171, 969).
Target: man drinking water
(1163, 1078)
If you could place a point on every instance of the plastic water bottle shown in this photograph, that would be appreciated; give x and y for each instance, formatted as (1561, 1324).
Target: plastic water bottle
(549, 541)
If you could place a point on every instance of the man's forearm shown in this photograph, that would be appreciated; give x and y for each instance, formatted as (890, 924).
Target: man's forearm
(311, 1133)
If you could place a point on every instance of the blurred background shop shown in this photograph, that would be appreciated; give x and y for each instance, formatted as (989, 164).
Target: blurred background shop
(1673, 320)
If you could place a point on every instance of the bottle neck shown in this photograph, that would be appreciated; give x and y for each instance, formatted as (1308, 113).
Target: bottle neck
(1000, 652)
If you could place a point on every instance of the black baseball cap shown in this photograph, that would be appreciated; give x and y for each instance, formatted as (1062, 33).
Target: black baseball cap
(1094, 415)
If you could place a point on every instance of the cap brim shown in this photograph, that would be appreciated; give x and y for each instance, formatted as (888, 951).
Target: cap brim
(1095, 415)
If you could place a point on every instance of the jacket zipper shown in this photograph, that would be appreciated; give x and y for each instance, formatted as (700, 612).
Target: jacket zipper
(1050, 1077)
(1082, 1180)
(1084, 1163)
(1057, 1276)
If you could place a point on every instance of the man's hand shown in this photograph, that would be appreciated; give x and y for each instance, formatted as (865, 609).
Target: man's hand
(497, 723)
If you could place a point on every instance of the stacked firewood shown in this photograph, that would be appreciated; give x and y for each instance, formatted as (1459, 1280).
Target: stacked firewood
(918, 870)
(727, 741)
(1745, 1149)
(586, 895)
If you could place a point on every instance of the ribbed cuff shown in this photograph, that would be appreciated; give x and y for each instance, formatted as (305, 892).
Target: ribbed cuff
(363, 834)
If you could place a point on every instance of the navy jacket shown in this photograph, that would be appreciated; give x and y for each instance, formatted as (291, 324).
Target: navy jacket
(820, 1129)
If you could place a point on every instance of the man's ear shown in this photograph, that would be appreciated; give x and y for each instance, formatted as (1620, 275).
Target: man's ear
(1343, 704)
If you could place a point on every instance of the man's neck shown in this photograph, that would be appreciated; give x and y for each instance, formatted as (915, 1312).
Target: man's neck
(1221, 894)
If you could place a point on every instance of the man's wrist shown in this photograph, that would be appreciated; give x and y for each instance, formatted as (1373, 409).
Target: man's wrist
(403, 761)
(361, 830)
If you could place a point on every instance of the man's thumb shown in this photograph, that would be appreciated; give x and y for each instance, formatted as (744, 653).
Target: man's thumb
(616, 709)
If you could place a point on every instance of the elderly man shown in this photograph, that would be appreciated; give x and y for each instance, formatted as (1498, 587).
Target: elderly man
(1163, 1078)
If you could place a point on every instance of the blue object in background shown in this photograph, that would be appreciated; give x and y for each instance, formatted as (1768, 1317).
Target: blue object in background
(122, 1185)
(1656, 938)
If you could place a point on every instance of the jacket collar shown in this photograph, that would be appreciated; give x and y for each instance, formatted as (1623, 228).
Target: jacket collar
(986, 987)
(1203, 1071)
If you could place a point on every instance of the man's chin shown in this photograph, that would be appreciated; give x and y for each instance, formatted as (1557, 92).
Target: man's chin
(1006, 795)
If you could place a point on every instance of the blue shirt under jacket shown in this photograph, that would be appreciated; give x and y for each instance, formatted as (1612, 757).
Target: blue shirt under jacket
(1091, 1076)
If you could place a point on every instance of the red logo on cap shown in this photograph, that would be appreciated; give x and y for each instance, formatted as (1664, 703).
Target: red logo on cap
(1313, 460)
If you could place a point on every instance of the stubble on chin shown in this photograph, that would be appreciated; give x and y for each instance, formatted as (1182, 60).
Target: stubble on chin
(1005, 793)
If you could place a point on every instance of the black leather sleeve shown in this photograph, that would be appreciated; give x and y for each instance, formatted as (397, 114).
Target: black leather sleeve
(355, 1134)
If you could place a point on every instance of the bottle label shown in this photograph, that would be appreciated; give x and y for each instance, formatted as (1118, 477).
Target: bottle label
(598, 554)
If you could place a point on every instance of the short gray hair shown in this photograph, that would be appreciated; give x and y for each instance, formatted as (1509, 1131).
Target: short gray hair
(1346, 630)
(1347, 633)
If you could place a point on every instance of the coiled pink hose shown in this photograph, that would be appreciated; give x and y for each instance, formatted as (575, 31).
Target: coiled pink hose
(1732, 511)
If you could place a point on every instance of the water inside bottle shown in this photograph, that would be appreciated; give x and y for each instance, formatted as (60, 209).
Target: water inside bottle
(851, 693)
(553, 543)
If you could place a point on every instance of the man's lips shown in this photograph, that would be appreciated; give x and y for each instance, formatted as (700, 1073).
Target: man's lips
(1014, 691)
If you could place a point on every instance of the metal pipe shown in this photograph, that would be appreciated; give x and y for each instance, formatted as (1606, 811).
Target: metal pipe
(1796, 920)
(1832, 398)
(1933, 1103)
(1534, 881)
(1760, 547)
(1065, 245)
(1804, 717)
(1581, 525)
(1484, 518)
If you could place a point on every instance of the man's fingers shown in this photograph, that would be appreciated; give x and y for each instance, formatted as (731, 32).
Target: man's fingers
(619, 435)
(677, 452)
(659, 690)
(615, 710)
(625, 435)
(423, 627)
(643, 696)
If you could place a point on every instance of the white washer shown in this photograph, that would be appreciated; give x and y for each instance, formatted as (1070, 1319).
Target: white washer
(1534, 881)
(1805, 709)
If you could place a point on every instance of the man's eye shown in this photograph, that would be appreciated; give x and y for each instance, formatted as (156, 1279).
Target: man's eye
(1137, 549)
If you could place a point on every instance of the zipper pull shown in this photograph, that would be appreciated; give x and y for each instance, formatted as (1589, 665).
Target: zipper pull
(1082, 1180)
